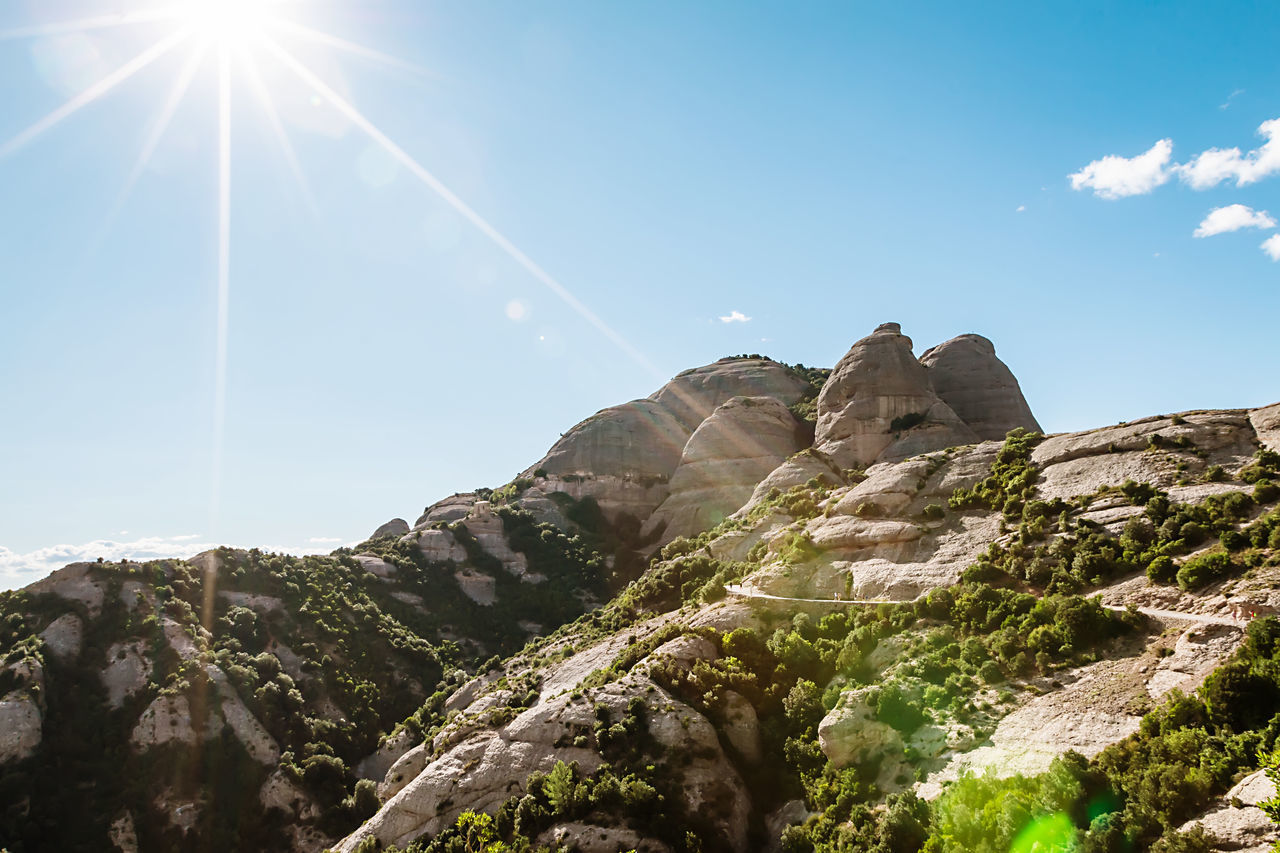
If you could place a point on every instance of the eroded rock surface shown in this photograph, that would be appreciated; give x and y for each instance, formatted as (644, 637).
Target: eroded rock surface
(733, 450)
(878, 384)
(978, 387)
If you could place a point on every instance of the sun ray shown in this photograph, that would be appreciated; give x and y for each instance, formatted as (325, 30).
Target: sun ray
(94, 92)
(421, 173)
(277, 127)
(177, 91)
(307, 33)
(101, 22)
(224, 276)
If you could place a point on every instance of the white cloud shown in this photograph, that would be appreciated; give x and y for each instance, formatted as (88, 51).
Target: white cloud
(1230, 98)
(324, 540)
(1233, 217)
(1271, 246)
(1212, 167)
(1116, 177)
(735, 317)
(18, 570)
(1021, 208)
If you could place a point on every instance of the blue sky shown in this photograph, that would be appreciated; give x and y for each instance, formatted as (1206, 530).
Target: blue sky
(817, 168)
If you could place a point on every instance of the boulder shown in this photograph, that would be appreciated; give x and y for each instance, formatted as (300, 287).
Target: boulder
(978, 387)
(395, 527)
(375, 566)
(64, 637)
(478, 587)
(850, 734)
(126, 671)
(737, 446)
(439, 546)
(487, 529)
(74, 583)
(453, 508)
(879, 396)
(20, 726)
(1236, 822)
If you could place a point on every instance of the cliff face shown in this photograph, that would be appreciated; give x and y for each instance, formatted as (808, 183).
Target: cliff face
(714, 697)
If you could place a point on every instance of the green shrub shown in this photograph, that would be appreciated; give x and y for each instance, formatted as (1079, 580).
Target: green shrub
(1162, 569)
(1204, 569)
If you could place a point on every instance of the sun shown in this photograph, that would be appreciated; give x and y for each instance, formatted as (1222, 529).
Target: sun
(226, 21)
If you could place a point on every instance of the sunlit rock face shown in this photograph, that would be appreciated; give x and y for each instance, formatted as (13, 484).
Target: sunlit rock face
(978, 386)
(694, 394)
(733, 449)
(878, 405)
(624, 456)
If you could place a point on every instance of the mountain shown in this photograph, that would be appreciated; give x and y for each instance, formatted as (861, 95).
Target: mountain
(769, 607)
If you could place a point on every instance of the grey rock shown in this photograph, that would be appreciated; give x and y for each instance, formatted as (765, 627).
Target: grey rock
(877, 382)
(978, 386)
(394, 527)
(738, 445)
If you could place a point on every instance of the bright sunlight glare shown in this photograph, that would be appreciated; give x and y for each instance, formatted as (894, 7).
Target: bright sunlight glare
(226, 21)
(231, 31)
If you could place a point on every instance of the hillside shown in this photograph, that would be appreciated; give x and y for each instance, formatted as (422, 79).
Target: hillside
(768, 607)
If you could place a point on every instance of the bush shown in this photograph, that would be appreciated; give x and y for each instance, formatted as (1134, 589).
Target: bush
(933, 512)
(1204, 569)
(1162, 569)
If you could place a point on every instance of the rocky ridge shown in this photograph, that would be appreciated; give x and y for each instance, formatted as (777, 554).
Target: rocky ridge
(677, 712)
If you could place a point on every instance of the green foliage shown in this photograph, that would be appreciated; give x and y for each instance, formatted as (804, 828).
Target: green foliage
(806, 408)
(984, 814)
(1204, 569)
(1012, 479)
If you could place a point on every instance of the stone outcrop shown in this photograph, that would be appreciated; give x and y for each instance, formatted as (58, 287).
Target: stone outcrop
(452, 508)
(737, 446)
(878, 404)
(478, 767)
(978, 387)
(624, 456)
(395, 527)
(694, 394)
(20, 726)
(126, 672)
(637, 439)
(439, 546)
(1236, 822)
(850, 734)
(64, 637)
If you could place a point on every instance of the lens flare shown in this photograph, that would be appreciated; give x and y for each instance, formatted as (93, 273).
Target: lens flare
(232, 30)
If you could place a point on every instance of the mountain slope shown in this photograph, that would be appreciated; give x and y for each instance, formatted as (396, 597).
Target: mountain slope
(651, 639)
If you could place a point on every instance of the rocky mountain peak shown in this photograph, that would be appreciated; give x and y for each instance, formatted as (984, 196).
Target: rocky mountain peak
(978, 386)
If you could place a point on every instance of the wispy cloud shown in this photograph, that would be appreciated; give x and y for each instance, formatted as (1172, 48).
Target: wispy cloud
(1237, 93)
(1271, 246)
(1114, 176)
(735, 317)
(1233, 217)
(1021, 208)
(1212, 167)
(18, 570)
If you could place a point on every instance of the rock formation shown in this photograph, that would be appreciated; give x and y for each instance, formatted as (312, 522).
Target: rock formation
(734, 448)
(878, 404)
(978, 387)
